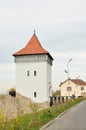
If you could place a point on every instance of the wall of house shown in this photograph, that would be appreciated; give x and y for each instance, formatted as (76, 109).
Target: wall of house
(83, 92)
(76, 89)
(34, 87)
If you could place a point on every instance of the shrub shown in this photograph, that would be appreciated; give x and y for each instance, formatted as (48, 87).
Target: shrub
(12, 92)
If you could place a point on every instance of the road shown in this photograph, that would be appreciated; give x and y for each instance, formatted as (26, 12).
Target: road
(73, 119)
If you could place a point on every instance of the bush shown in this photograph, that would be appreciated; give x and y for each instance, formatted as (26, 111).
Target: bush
(12, 92)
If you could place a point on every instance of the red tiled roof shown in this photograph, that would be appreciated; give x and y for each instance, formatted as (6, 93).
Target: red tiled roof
(76, 81)
(32, 47)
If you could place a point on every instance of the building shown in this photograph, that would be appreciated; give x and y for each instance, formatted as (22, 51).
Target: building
(75, 87)
(34, 71)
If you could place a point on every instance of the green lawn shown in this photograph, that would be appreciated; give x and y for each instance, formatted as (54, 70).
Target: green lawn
(38, 118)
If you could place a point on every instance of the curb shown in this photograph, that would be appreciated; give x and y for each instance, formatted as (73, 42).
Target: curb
(59, 116)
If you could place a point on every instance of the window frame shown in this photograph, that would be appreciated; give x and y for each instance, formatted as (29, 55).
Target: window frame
(69, 88)
(82, 88)
(28, 73)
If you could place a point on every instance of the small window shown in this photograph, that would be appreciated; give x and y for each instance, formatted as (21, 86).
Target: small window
(35, 94)
(82, 88)
(69, 89)
(34, 73)
(28, 73)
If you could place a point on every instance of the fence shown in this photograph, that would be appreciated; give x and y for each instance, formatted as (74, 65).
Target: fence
(60, 99)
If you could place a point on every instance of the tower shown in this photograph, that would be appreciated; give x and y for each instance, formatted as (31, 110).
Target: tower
(33, 71)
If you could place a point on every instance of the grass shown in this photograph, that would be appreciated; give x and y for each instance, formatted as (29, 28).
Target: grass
(38, 118)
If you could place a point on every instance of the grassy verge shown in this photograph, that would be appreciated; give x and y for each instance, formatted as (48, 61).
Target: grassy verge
(38, 118)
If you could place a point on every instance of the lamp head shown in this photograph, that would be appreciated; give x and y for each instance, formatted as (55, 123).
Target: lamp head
(70, 60)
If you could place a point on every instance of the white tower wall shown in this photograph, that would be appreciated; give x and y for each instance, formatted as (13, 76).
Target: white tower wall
(36, 87)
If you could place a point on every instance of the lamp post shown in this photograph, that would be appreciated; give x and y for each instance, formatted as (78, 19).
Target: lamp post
(67, 71)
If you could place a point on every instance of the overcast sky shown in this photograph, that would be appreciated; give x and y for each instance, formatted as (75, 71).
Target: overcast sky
(60, 26)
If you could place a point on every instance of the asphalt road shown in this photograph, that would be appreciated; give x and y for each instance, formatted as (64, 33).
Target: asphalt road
(73, 119)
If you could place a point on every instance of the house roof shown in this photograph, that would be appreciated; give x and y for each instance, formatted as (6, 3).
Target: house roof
(33, 47)
(76, 81)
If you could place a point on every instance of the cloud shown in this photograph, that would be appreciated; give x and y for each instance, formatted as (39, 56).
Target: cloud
(76, 66)
(8, 71)
(7, 76)
(60, 27)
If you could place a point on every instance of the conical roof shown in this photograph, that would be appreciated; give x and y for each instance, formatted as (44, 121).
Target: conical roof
(33, 47)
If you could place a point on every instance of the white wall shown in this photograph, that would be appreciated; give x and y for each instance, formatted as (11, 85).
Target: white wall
(27, 85)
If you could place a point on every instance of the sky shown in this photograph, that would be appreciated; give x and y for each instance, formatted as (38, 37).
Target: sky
(60, 26)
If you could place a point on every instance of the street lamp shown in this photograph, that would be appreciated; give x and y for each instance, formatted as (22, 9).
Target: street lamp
(67, 71)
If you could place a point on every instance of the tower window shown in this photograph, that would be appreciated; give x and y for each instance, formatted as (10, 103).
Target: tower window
(34, 73)
(35, 95)
(28, 73)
